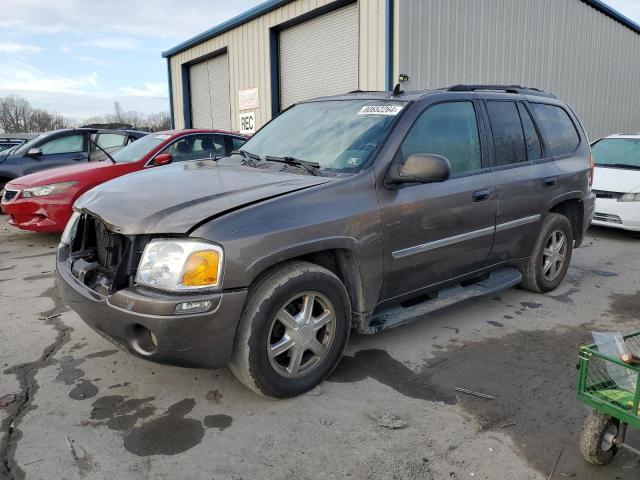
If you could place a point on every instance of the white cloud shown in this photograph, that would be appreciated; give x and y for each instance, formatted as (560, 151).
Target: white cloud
(151, 89)
(18, 48)
(167, 19)
(82, 105)
(113, 43)
(630, 8)
(19, 75)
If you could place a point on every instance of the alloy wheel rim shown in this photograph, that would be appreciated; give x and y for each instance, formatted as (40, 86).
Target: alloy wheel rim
(301, 334)
(554, 255)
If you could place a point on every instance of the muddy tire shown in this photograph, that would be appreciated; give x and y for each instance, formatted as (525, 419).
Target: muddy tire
(594, 445)
(293, 330)
(551, 255)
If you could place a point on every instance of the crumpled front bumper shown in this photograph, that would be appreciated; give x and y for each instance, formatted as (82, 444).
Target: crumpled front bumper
(143, 322)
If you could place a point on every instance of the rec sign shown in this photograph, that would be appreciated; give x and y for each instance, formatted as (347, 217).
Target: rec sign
(247, 122)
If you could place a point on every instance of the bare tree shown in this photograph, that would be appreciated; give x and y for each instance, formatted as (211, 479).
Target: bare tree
(157, 122)
(17, 115)
(14, 114)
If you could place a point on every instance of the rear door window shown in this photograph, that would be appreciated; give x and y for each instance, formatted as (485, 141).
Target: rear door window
(534, 146)
(193, 147)
(447, 129)
(111, 140)
(508, 136)
(66, 144)
(558, 129)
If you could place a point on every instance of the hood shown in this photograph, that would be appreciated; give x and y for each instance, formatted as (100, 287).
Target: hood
(66, 173)
(175, 198)
(616, 179)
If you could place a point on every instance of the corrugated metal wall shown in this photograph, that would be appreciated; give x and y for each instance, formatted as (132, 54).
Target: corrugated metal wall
(563, 46)
(248, 50)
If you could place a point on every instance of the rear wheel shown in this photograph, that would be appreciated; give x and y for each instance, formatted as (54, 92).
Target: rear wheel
(551, 255)
(293, 330)
(596, 439)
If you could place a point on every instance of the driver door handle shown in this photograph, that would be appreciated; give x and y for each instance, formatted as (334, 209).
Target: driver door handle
(550, 181)
(481, 195)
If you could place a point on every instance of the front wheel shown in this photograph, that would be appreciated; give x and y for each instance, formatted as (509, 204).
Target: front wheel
(596, 439)
(293, 330)
(551, 255)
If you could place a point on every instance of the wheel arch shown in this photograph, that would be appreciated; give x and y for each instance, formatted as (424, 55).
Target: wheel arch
(572, 207)
(338, 257)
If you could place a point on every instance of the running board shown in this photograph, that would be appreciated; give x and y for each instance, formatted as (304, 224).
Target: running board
(494, 282)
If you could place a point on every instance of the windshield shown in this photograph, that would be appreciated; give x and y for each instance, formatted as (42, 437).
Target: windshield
(617, 152)
(138, 149)
(339, 136)
(27, 145)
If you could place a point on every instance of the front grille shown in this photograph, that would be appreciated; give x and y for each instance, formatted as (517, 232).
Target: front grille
(109, 246)
(605, 217)
(608, 195)
(9, 195)
(103, 260)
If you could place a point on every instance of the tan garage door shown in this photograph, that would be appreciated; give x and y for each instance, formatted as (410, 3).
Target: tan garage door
(209, 89)
(320, 56)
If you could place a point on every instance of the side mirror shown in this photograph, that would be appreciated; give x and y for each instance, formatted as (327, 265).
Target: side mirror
(34, 152)
(420, 169)
(162, 159)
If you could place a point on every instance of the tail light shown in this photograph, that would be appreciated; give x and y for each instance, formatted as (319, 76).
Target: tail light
(591, 168)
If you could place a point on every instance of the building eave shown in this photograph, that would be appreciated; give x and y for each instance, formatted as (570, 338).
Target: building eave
(230, 24)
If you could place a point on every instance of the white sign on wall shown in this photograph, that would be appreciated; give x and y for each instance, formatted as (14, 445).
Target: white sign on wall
(248, 99)
(247, 123)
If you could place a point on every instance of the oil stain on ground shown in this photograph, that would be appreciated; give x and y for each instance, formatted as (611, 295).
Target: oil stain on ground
(169, 434)
(625, 305)
(532, 376)
(221, 422)
(120, 413)
(380, 366)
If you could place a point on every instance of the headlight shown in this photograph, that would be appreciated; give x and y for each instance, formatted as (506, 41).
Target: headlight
(44, 190)
(180, 265)
(70, 230)
(629, 197)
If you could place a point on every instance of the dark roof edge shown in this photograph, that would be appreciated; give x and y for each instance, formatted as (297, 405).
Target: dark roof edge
(614, 14)
(269, 5)
(234, 22)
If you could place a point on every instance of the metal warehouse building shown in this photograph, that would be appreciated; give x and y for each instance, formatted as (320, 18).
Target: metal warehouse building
(241, 73)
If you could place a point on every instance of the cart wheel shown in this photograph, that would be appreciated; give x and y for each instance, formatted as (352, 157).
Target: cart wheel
(596, 438)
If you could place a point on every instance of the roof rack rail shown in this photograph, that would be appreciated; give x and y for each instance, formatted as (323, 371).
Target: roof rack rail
(503, 88)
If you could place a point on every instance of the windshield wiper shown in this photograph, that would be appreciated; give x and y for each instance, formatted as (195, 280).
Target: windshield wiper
(103, 150)
(311, 167)
(618, 165)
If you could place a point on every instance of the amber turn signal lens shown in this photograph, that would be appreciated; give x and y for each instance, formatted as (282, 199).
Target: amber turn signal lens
(201, 269)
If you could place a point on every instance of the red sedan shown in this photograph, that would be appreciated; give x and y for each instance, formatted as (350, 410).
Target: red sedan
(43, 201)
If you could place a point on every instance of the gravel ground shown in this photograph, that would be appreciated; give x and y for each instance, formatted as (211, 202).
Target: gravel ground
(84, 410)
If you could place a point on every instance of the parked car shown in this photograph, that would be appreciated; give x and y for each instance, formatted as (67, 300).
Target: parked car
(43, 201)
(61, 147)
(11, 140)
(355, 212)
(617, 182)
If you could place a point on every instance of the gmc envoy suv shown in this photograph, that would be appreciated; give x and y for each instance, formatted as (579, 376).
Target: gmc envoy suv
(358, 212)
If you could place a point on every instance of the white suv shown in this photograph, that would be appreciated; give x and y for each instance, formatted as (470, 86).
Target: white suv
(616, 181)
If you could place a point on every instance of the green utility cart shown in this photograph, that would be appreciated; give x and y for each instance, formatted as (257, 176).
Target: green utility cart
(612, 388)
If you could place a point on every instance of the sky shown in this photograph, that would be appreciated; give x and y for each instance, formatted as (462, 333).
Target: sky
(76, 57)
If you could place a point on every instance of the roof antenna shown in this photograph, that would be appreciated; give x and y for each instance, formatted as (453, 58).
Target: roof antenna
(396, 90)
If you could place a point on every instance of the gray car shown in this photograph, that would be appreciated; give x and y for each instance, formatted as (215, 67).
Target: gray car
(353, 213)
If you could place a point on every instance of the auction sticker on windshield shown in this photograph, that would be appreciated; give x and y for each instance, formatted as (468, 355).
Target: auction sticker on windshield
(380, 110)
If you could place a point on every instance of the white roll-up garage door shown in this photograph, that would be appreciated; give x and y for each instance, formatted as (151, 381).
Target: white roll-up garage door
(320, 56)
(209, 89)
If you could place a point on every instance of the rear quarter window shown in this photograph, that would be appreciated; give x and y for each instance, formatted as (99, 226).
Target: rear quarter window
(558, 128)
